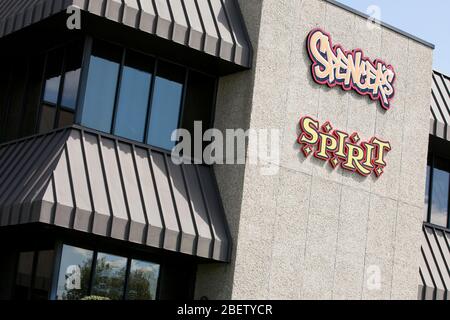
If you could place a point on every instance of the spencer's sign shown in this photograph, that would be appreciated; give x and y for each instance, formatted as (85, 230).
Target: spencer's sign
(351, 70)
(340, 148)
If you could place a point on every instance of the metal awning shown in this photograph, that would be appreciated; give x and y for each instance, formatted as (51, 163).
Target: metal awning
(82, 180)
(215, 27)
(440, 106)
(434, 281)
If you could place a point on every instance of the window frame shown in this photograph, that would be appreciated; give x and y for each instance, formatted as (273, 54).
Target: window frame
(95, 251)
(431, 162)
(87, 53)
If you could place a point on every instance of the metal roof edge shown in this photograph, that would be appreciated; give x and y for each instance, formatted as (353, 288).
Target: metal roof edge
(441, 73)
(386, 25)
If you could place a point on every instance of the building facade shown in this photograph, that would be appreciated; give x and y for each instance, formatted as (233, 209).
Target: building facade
(91, 203)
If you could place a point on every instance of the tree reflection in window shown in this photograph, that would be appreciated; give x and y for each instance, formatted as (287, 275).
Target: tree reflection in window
(109, 276)
(142, 281)
(74, 273)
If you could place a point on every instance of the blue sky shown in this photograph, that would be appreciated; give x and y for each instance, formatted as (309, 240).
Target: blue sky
(426, 19)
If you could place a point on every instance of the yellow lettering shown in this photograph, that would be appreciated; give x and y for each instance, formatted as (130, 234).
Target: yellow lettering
(310, 130)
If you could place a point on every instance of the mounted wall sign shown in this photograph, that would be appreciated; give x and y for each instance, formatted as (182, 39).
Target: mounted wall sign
(334, 66)
(338, 147)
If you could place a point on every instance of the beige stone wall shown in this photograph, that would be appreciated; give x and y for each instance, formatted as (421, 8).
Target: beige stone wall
(311, 232)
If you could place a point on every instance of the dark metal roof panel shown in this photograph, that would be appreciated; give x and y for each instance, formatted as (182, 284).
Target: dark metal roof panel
(215, 27)
(440, 106)
(79, 179)
(434, 281)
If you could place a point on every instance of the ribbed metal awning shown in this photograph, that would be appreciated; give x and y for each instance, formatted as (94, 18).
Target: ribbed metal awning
(215, 27)
(434, 281)
(78, 179)
(440, 106)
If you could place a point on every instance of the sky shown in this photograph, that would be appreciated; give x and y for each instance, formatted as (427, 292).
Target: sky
(426, 19)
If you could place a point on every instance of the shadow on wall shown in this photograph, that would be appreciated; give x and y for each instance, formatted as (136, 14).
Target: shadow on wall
(233, 109)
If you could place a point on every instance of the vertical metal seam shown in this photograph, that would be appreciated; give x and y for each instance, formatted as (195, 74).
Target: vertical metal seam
(232, 32)
(55, 199)
(211, 11)
(202, 23)
(191, 210)
(156, 22)
(226, 226)
(158, 200)
(124, 191)
(88, 180)
(172, 25)
(208, 214)
(174, 202)
(105, 182)
(189, 26)
(141, 195)
(72, 189)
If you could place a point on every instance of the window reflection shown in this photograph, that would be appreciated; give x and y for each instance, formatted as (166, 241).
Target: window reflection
(166, 105)
(43, 275)
(53, 76)
(109, 277)
(101, 87)
(133, 98)
(23, 276)
(142, 281)
(427, 193)
(74, 273)
(72, 76)
(440, 192)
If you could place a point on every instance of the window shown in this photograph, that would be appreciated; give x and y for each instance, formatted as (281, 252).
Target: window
(43, 275)
(85, 273)
(101, 86)
(109, 276)
(23, 275)
(62, 77)
(166, 105)
(34, 275)
(143, 98)
(142, 280)
(133, 98)
(438, 188)
(74, 273)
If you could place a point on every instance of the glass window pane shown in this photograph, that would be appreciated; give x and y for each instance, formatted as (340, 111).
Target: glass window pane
(16, 99)
(47, 122)
(427, 194)
(43, 275)
(53, 76)
(74, 273)
(440, 193)
(23, 277)
(101, 87)
(166, 105)
(72, 75)
(33, 96)
(143, 280)
(133, 98)
(66, 118)
(109, 278)
(199, 103)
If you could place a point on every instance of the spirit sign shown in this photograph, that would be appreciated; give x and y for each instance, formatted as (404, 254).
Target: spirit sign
(340, 148)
